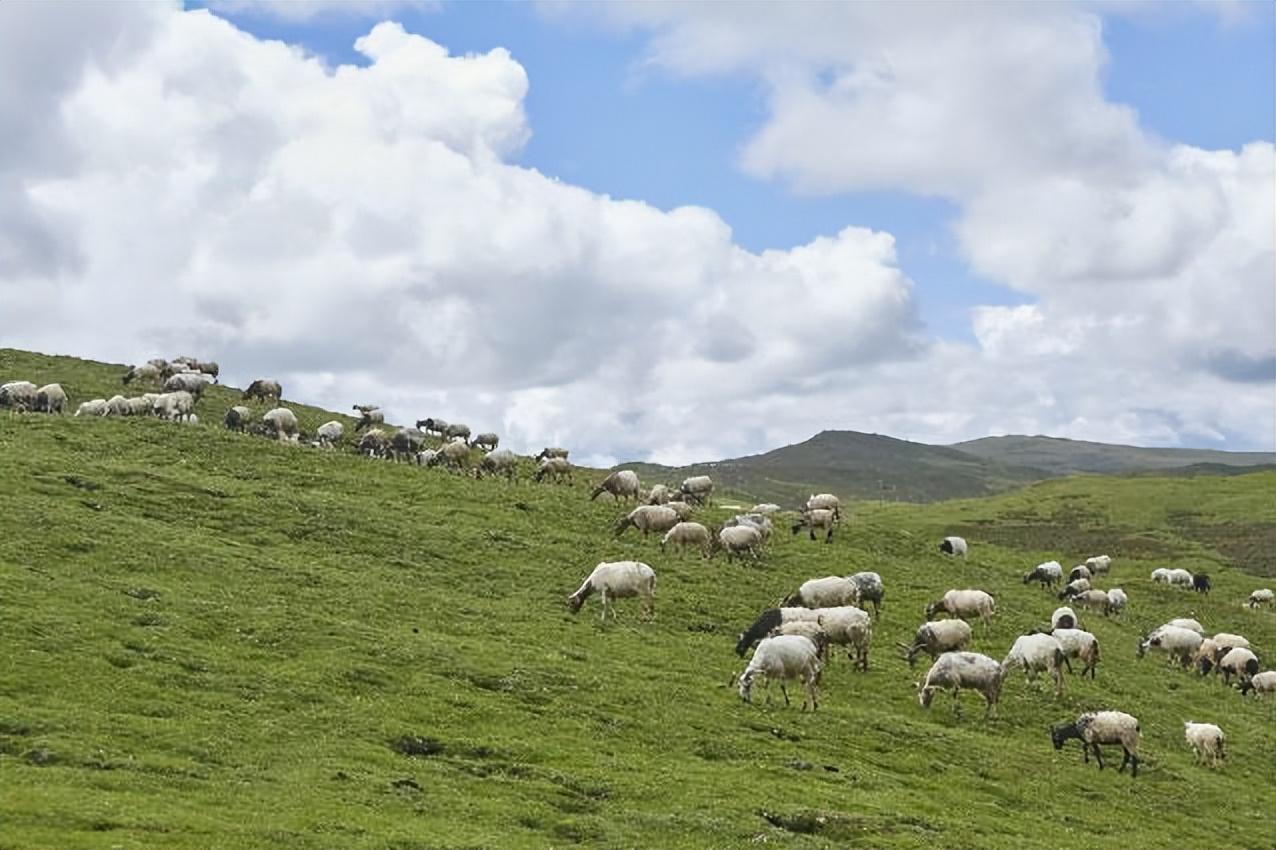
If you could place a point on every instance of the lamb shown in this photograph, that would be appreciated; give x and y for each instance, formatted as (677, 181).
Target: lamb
(659, 495)
(191, 383)
(1074, 587)
(1187, 623)
(1048, 574)
(457, 431)
(621, 484)
(697, 490)
(1161, 575)
(18, 396)
(144, 372)
(686, 534)
(1180, 578)
(1117, 600)
(1239, 661)
(617, 580)
(405, 443)
(486, 441)
(827, 592)
(955, 546)
(1178, 643)
(1081, 645)
(954, 671)
(282, 423)
(937, 637)
(548, 452)
(1094, 600)
(819, 518)
(455, 456)
(1206, 741)
(1099, 563)
(826, 502)
(1201, 583)
(1063, 618)
(784, 657)
(236, 418)
(871, 589)
(96, 407)
(964, 605)
(1262, 596)
(368, 418)
(499, 462)
(1080, 571)
(1034, 653)
(373, 443)
(555, 468)
(51, 398)
(264, 389)
(330, 433)
(1096, 728)
(738, 540)
(647, 518)
(1261, 684)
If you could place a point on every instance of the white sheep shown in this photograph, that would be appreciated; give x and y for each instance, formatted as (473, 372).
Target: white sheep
(546, 453)
(1099, 563)
(1187, 623)
(1081, 571)
(51, 398)
(18, 396)
(759, 521)
(937, 637)
(373, 443)
(1094, 600)
(955, 546)
(686, 534)
(1178, 643)
(1206, 741)
(1096, 728)
(647, 518)
(1262, 684)
(697, 490)
(954, 671)
(1034, 653)
(850, 627)
(739, 540)
(281, 423)
(486, 441)
(236, 418)
(95, 407)
(824, 501)
(822, 518)
(621, 484)
(1180, 578)
(682, 509)
(1074, 587)
(1239, 661)
(191, 383)
(1117, 600)
(330, 433)
(498, 462)
(1081, 645)
(827, 592)
(1048, 574)
(784, 657)
(1161, 575)
(765, 508)
(142, 372)
(175, 405)
(117, 405)
(1064, 618)
(1262, 596)
(964, 605)
(617, 580)
(659, 495)
(455, 456)
(554, 468)
(809, 629)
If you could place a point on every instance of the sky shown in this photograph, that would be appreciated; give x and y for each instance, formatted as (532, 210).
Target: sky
(662, 231)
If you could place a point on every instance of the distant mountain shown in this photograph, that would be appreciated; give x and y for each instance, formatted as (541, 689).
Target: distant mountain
(1064, 457)
(855, 465)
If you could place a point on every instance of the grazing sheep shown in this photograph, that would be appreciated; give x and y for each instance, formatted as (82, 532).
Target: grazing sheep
(769, 620)
(1187, 623)
(820, 518)
(1161, 575)
(236, 418)
(330, 433)
(1048, 574)
(1096, 728)
(848, 626)
(937, 637)
(737, 541)
(1261, 684)
(117, 405)
(954, 546)
(827, 592)
(1239, 661)
(191, 383)
(429, 426)
(373, 443)
(1093, 600)
(1180, 578)
(1201, 583)
(96, 407)
(871, 589)
(282, 424)
(759, 521)
(824, 502)
(499, 462)
(954, 671)
(697, 490)
(1224, 641)
(208, 367)
(659, 495)
(686, 534)
(1205, 658)
(554, 468)
(684, 510)
(1262, 596)
(964, 605)
(368, 418)
(1179, 644)
(1080, 571)
(1081, 645)
(1117, 600)
(144, 372)
(1206, 741)
(548, 452)
(50, 398)
(765, 508)
(647, 518)
(621, 484)
(1099, 563)
(455, 456)
(18, 396)
(1074, 587)
(457, 431)
(486, 442)
(617, 580)
(809, 629)
(785, 657)
(405, 443)
(427, 457)
(175, 405)
(264, 389)
(1064, 618)
(1036, 652)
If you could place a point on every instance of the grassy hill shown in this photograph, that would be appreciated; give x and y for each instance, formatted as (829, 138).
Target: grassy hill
(1063, 457)
(851, 464)
(217, 641)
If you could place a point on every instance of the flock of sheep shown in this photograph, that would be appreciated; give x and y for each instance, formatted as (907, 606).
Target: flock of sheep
(792, 640)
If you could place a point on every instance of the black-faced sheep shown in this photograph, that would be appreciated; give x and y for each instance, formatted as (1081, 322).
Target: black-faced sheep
(405, 443)
(373, 443)
(548, 452)
(617, 580)
(871, 589)
(1096, 728)
(937, 637)
(429, 426)
(486, 442)
(1048, 574)
(954, 546)
(1239, 661)
(1262, 596)
(237, 418)
(457, 431)
(50, 398)
(1201, 583)
(1262, 684)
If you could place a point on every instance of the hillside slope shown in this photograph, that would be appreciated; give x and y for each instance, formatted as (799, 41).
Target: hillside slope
(1063, 457)
(216, 641)
(855, 465)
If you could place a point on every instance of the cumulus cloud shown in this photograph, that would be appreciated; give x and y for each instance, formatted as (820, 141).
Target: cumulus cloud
(361, 234)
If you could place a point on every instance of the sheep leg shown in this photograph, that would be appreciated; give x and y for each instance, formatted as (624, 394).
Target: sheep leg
(828, 538)
(1098, 755)
(785, 691)
(1068, 664)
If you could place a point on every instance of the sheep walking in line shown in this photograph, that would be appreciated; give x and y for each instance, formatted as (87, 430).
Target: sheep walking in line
(957, 671)
(621, 484)
(1034, 653)
(955, 546)
(1098, 728)
(1207, 742)
(937, 637)
(617, 580)
(781, 658)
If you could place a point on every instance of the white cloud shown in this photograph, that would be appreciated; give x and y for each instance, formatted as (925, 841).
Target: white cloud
(296, 11)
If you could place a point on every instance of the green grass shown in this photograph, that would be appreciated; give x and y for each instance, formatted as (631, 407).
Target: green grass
(216, 641)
